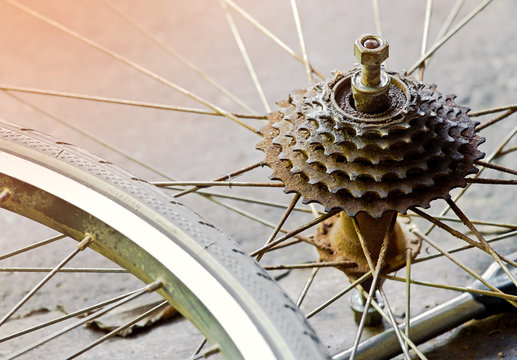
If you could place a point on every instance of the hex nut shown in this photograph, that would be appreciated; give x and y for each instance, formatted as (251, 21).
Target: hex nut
(372, 57)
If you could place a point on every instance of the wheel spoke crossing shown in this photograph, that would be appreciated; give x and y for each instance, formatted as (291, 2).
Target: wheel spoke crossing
(128, 62)
(83, 244)
(103, 99)
(31, 247)
(149, 288)
(245, 55)
(448, 35)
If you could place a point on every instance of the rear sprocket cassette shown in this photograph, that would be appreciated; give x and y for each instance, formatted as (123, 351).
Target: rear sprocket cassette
(416, 151)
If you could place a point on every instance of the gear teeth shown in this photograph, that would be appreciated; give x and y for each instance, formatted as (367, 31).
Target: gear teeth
(299, 146)
(405, 189)
(356, 193)
(425, 182)
(330, 157)
(313, 181)
(296, 170)
(284, 156)
(382, 193)
(311, 160)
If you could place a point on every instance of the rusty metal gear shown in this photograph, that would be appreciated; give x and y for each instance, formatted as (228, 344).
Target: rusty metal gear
(416, 151)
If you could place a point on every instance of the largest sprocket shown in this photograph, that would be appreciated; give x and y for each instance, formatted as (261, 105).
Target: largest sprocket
(417, 150)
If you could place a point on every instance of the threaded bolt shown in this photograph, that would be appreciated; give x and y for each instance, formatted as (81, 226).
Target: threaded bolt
(371, 84)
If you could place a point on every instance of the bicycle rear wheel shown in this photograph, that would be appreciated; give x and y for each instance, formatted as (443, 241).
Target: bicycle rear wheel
(205, 276)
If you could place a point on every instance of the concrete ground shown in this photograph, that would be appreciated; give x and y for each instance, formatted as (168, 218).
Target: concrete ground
(479, 65)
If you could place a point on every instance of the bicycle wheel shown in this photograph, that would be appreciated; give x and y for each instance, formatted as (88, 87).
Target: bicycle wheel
(452, 72)
(156, 239)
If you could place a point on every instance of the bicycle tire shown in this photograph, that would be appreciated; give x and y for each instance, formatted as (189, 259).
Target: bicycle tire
(155, 237)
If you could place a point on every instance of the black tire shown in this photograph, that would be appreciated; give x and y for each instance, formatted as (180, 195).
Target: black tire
(77, 193)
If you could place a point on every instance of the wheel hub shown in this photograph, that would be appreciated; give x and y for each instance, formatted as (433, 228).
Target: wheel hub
(353, 143)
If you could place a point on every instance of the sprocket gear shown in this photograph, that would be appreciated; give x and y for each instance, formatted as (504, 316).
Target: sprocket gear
(418, 150)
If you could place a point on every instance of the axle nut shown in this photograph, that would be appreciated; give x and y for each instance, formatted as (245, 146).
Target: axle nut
(371, 50)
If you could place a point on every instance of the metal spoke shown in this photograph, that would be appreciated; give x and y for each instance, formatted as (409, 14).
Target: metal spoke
(32, 246)
(225, 177)
(488, 159)
(65, 270)
(128, 62)
(357, 282)
(453, 288)
(496, 167)
(360, 329)
(448, 22)
(67, 316)
(294, 232)
(372, 287)
(215, 183)
(280, 223)
(495, 120)
(365, 249)
(394, 325)
(447, 36)
(307, 286)
(215, 349)
(376, 272)
(149, 288)
(119, 329)
(8, 88)
(242, 198)
(108, 146)
(477, 222)
(179, 57)
(362, 241)
(256, 219)
(296, 17)
(245, 56)
(459, 264)
(199, 347)
(4, 195)
(270, 35)
(507, 151)
(408, 291)
(311, 265)
(482, 240)
(491, 181)
(92, 137)
(466, 247)
(425, 36)
(388, 320)
(492, 110)
(450, 18)
(377, 17)
(285, 244)
(447, 228)
(80, 247)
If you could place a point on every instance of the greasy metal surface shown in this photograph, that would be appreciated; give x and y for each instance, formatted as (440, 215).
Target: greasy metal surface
(370, 85)
(357, 305)
(394, 160)
(337, 240)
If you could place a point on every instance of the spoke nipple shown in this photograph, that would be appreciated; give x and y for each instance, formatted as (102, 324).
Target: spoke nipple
(155, 285)
(4, 195)
(85, 242)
